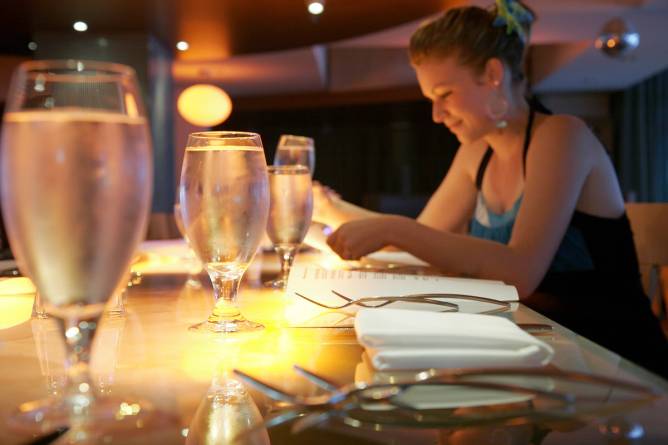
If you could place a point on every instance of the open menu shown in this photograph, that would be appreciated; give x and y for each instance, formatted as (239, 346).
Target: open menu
(318, 284)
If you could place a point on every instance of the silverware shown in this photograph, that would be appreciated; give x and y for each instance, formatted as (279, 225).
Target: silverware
(426, 298)
(382, 301)
(535, 327)
(436, 375)
(355, 393)
(49, 437)
(343, 401)
(340, 399)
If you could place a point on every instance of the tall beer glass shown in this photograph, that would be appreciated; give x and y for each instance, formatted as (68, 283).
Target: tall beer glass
(290, 209)
(76, 187)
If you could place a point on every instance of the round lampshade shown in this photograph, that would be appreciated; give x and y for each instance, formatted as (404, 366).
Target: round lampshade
(204, 105)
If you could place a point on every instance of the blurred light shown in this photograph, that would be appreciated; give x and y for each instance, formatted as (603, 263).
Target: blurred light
(15, 310)
(32, 46)
(182, 45)
(204, 105)
(617, 38)
(316, 7)
(131, 105)
(80, 26)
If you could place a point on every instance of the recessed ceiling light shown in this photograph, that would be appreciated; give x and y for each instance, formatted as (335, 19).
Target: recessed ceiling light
(80, 26)
(32, 46)
(182, 45)
(316, 7)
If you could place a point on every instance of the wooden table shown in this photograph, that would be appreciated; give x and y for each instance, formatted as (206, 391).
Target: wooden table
(149, 353)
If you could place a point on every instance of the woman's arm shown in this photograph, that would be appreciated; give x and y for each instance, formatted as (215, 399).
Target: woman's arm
(557, 167)
(449, 208)
(330, 209)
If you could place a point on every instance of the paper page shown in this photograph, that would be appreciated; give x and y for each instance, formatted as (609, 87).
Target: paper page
(317, 283)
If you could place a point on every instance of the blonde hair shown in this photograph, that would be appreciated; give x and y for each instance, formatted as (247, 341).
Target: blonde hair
(474, 36)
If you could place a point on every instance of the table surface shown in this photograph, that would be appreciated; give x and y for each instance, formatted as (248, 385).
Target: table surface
(148, 353)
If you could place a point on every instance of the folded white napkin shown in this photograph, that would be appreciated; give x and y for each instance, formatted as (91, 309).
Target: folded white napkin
(409, 339)
(396, 257)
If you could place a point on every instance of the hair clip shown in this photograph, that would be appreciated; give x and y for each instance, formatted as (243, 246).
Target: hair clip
(511, 14)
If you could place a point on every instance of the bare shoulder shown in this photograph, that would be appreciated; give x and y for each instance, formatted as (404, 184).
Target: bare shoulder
(562, 125)
(564, 135)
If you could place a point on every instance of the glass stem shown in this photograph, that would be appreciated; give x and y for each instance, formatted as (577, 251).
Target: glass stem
(287, 256)
(225, 291)
(79, 391)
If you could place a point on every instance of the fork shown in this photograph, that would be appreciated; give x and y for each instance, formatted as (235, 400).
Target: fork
(361, 392)
(428, 298)
(382, 301)
(435, 375)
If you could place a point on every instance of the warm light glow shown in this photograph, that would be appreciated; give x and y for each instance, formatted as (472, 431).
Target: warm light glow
(204, 105)
(182, 45)
(131, 105)
(316, 7)
(15, 309)
(80, 26)
(611, 43)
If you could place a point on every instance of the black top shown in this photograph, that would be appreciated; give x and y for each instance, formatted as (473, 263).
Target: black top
(605, 303)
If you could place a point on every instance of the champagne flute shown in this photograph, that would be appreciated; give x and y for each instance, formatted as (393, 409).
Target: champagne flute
(295, 150)
(291, 206)
(224, 199)
(76, 188)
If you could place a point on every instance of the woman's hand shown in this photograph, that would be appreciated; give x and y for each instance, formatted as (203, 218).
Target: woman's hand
(358, 238)
(324, 204)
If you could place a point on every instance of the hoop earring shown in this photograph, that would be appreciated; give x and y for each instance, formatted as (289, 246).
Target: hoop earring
(497, 107)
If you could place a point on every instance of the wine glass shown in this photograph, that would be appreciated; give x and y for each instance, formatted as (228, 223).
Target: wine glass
(227, 414)
(224, 197)
(295, 150)
(76, 187)
(291, 206)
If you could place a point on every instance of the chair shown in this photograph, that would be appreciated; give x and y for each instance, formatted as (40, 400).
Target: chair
(649, 223)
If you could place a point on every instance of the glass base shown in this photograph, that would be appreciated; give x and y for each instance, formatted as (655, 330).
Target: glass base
(227, 326)
(109, 415)
(278, 283)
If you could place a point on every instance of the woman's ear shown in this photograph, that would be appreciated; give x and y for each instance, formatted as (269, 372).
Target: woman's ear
(495, 72)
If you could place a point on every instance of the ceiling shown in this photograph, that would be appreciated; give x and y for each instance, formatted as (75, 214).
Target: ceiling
(275, 48)
(215, 29)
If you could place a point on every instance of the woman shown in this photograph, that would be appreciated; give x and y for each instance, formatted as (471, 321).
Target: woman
(531, 199)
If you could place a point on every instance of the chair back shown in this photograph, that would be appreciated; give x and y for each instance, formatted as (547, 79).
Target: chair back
(649, 223)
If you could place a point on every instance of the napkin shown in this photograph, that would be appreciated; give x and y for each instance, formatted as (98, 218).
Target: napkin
(409, 339)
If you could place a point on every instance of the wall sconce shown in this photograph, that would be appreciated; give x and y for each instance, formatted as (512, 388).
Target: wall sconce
(617, 38)
(315, 7)
(204, 105)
